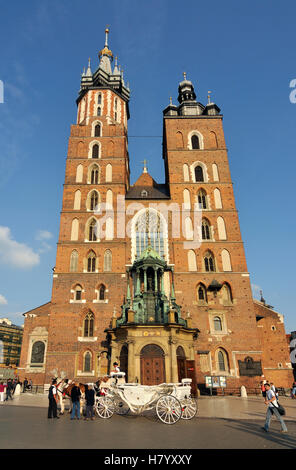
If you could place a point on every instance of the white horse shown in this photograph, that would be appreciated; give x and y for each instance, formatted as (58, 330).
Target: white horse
(61, 385)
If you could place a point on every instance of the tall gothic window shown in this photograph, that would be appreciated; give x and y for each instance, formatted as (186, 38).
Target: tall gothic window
(198, 172)
(74, 261)
(102, 292)
(94, 199)
(88, 327)
(92, 231)
(94, 175)
(99, 111)
(95, 151)
(150, 229)
(108, 260)
(202, 199)
(91, 262)
(195, 142)
(98, 130)
(209, 262)
(87, 362)
(202, 293)
(205, 230)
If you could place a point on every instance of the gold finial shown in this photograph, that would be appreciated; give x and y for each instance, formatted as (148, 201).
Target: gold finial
(209, 97)
(145, 166)
(171, 100)
(184, 75)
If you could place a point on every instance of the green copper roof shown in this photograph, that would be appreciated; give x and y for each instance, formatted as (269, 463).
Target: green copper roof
(150, 253)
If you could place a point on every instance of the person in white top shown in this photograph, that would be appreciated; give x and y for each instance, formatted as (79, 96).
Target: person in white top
(272, 408)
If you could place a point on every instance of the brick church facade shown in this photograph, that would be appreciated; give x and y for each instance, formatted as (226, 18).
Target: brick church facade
(152, 275)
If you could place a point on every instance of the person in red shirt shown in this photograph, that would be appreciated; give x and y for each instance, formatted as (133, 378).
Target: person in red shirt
(2, 391)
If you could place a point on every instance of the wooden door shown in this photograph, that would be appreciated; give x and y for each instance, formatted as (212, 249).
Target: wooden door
(181, 368)
(152, 370)
(190, 374)
(152, 365)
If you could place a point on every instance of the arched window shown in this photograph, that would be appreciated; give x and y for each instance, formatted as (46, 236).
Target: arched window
(108, 260)
(92, 230)
(99, 98)
(78, 292)
(185, 172)
(91, 262)
(102, 291)
(226, 293)
(94, 175)
(179, 140)
(94, 200)
(226, 261)
(221, 228)
(88, 326)
(195, 142)
(87, 362)
(79, 174)
(198, 173)
(188, 228)
(74, 261)
(202, 199)
(217, 324)
(77, 200)
(201, 293)
(191, 256)
(99, 111)
(95, 151)
(209, 262)
(149, 227)
(186, 199)
(109, 173)
(74, 229)
(222, 360)
(205, 230)
(217, 198)
(97, 130)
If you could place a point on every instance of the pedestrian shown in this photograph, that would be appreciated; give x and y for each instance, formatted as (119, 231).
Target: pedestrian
(2, 391)
(275, 390)
(90, 401)
(30, 385)
(75, 397)
(9, 389)
(25, 384)
(272, 408)
(52, 401)
(293, 390)
(116, 367)
(263, 390)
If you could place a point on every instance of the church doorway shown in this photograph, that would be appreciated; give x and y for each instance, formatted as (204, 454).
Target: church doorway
(152, 365)
(181, 363)
(123, 361)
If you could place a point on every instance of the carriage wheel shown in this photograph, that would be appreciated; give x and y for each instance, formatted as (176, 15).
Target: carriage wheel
(189, 408)
(168, 409)
(121, 408)
(104, 407)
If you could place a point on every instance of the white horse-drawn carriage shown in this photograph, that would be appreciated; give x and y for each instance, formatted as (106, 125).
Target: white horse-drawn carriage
(172, 401)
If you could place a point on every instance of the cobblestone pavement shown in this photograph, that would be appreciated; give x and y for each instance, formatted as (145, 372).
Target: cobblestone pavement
(221, 423)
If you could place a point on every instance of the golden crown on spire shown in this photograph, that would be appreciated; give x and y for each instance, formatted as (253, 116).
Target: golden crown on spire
(106, 50)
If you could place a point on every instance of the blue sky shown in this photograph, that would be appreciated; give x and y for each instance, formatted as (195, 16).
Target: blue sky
(244, 52)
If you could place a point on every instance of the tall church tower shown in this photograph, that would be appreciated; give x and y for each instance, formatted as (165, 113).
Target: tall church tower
(211, 277)
(90, 266)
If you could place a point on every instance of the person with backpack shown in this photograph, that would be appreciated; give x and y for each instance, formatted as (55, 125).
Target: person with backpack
(272, 408)
(9, 390)
(52, 399)
(75, 397)
(90, 401)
